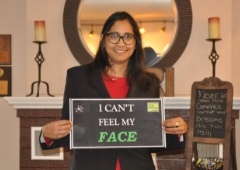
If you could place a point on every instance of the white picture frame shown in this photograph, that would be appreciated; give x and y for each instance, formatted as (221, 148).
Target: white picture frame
(36, 151)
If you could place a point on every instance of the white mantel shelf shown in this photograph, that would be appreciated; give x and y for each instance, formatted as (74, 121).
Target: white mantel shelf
(56, 102)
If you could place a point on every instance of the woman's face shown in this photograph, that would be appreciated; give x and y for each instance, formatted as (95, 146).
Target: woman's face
(120, 51)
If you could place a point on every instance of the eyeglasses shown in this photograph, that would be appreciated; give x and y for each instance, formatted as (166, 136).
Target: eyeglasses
(127, 38)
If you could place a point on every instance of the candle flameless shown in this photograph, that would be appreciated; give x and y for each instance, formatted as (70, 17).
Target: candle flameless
(214, 28)
(40, 31)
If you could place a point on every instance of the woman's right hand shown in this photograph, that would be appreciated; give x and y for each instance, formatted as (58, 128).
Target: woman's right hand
(57, 129)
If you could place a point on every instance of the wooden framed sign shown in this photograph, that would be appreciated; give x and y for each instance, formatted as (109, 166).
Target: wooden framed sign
(5, 81)
(210, 117)
(117, 123)
(5, 49)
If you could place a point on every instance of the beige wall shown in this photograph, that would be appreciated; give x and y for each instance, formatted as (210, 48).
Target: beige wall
(16, 18)
(13, 21)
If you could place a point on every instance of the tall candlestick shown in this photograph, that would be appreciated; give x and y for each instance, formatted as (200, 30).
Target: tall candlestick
(39, 59)
(40, 31)
(214, 28)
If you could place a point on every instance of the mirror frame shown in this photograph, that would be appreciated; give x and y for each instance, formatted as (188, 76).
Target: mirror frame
(177, 47)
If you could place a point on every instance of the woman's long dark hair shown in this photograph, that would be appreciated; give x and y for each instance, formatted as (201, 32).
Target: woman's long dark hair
(135, 72)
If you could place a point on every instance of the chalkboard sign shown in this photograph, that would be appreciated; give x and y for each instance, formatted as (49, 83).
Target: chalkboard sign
(210, 113)
(117, 123)
(210, 118)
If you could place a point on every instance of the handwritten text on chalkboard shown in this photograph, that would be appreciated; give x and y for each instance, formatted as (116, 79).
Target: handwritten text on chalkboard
(210, 113)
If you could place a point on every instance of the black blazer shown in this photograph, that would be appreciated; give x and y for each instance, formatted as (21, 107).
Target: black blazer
(86, 82)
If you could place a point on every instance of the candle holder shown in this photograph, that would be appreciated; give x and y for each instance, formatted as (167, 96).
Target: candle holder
(213, 56)
(39, 59)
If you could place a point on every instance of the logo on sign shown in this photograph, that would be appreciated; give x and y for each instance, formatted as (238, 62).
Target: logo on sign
(79, 109)
(153, 107)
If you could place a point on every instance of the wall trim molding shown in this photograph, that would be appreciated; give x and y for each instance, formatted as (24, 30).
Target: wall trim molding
(56, 102)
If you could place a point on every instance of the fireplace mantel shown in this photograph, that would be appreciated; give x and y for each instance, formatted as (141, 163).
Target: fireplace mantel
(56, 102)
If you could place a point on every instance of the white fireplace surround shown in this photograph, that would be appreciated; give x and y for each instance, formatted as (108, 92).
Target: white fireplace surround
(56, 102)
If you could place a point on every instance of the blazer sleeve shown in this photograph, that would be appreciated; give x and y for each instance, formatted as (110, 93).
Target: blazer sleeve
(172, 141)
(68, 93)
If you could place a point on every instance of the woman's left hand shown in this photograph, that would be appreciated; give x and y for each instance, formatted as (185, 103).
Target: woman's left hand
(175, 126)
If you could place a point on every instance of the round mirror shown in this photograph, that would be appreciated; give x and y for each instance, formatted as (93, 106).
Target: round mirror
(167, 26)
(157, 20)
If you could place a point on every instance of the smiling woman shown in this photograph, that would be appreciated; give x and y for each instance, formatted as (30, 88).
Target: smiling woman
(78, 45)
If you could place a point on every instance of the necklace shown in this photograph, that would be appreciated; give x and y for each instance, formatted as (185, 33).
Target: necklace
(113, 78)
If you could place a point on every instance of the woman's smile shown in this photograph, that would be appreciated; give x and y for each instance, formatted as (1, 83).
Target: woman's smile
(119, 51)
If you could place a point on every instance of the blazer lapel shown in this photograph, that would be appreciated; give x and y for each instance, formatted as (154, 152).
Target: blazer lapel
(132, 91)
(95, 80)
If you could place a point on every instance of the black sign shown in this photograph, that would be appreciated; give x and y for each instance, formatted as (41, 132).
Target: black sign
(210, 113)
(116, 123)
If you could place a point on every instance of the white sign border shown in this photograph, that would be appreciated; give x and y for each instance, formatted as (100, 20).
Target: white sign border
(111, 147)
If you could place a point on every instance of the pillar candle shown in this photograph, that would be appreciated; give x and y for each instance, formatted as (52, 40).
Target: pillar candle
(40, 31)
(214, 28)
